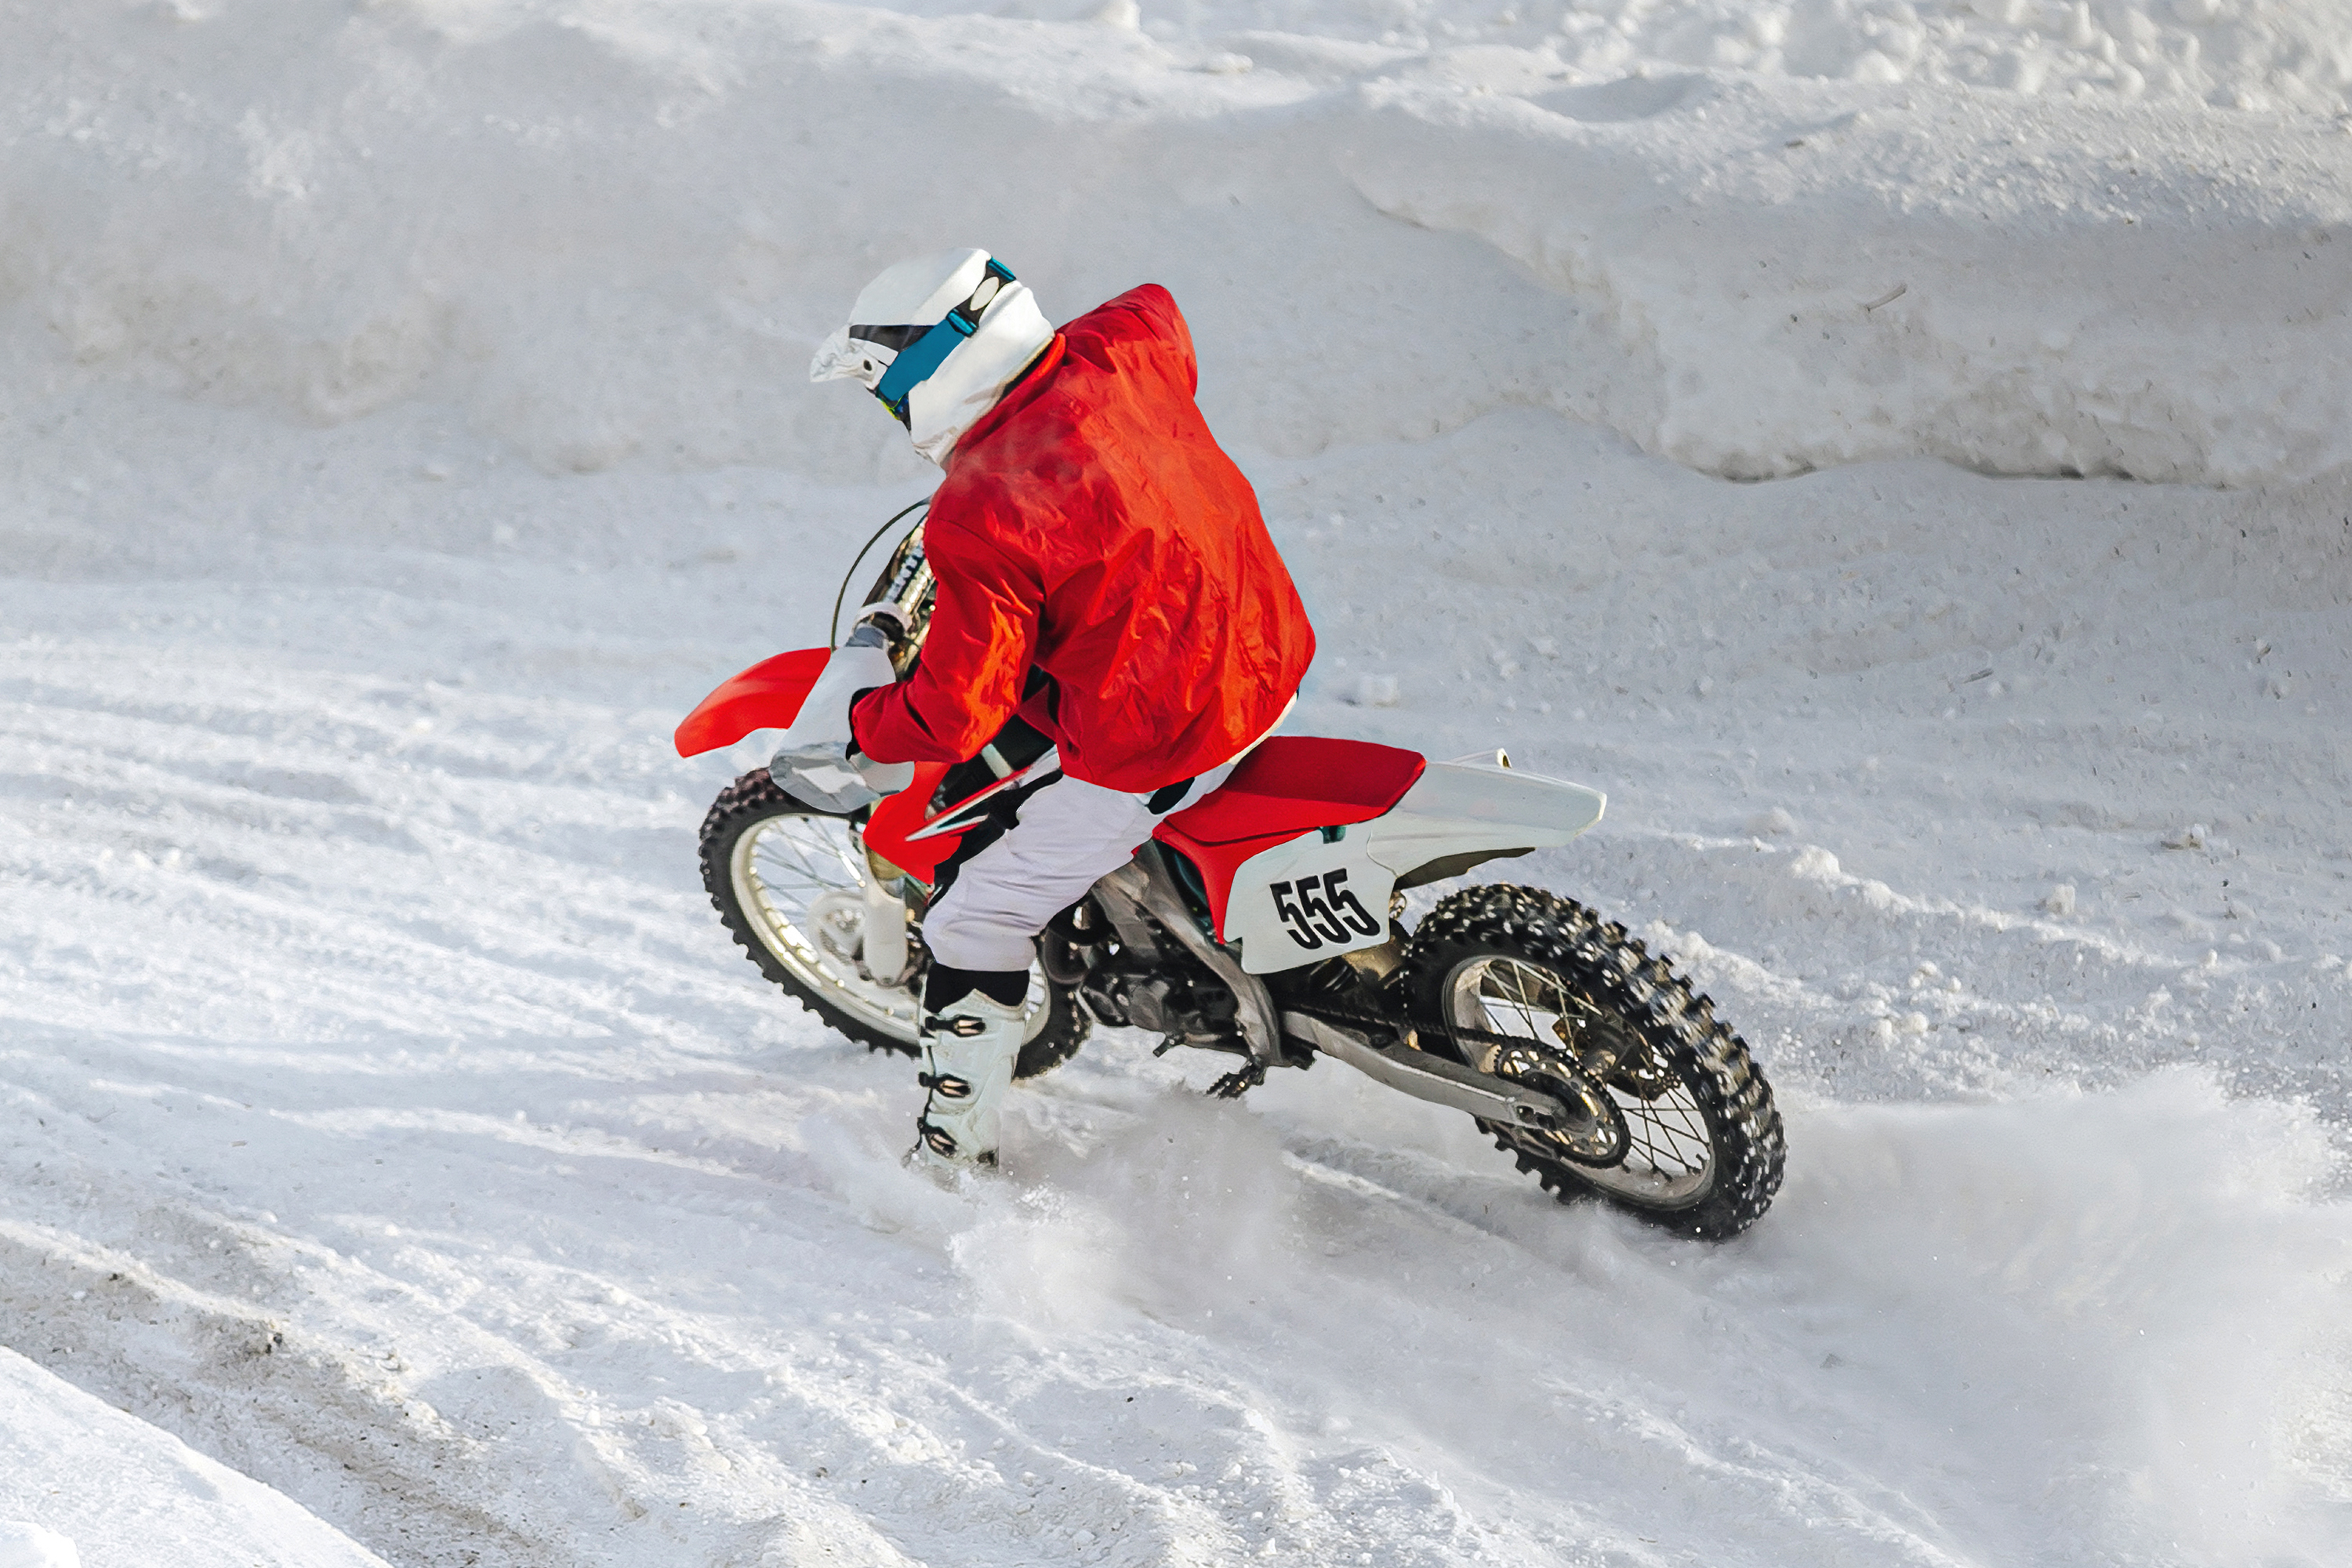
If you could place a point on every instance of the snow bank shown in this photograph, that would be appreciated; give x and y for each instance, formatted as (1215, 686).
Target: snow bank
(132, 1497)
(609, 232)
(2266, 54)
(1813, 281)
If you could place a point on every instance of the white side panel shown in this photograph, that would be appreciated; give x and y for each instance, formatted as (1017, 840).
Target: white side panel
(1459, 808)
(1305, 900)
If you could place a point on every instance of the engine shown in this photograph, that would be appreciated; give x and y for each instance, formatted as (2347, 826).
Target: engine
(1163, 1002)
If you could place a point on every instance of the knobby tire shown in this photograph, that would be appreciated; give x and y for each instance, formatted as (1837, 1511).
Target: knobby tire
(753, 799)
(1681, 1041)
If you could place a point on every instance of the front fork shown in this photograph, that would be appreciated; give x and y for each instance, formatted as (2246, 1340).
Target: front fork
(884, 950)
(888, 918)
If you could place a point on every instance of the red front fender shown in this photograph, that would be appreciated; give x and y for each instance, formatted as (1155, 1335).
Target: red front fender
(768, 696)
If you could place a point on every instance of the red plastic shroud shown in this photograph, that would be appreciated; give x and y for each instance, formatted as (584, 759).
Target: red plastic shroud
(886, 829)
(1291, 785)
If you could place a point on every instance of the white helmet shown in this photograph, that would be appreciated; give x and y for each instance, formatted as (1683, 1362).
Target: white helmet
(938, 339)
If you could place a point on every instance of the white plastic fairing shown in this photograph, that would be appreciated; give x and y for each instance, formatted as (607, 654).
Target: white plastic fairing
(1307, 900)
(1464, 809)
(1313, 897)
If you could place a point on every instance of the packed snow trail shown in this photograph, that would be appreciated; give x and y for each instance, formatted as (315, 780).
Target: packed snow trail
(405, 423)
(377, 1072)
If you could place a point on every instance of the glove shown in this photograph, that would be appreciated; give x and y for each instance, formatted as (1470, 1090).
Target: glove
(817, 763)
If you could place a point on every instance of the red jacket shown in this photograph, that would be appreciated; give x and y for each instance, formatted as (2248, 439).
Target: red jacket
(1090, 528)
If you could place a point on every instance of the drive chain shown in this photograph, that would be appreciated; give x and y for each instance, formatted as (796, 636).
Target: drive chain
(1240, 1081)
(1398, 1027)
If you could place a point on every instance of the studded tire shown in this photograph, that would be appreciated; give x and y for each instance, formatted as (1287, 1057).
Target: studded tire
(753, 811)
(1707, 1142)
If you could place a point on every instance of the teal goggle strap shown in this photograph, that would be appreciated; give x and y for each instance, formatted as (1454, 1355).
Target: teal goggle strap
(927, 353)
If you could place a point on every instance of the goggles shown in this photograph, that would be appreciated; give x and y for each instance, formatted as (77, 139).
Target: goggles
(922, 350)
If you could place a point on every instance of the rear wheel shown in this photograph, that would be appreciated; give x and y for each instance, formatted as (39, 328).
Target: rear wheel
(789, 884)
(1701, 1147)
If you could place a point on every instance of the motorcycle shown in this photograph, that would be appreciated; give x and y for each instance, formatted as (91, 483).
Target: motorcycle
(1266, 922)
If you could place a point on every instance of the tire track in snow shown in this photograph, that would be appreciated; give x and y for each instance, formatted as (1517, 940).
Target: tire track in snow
(224, 1376)
(634, 1231)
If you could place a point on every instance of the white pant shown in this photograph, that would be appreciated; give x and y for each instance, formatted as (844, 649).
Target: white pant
(1071, 834)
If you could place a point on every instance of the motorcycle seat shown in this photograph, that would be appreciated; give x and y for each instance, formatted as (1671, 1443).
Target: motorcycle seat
(1293, 784)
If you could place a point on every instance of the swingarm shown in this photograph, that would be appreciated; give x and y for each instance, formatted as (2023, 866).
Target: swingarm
(1431, 1078)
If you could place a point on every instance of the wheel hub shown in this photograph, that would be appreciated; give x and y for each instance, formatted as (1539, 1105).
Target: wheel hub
(839, 919)
(1595, 1133)
(1634, 1126)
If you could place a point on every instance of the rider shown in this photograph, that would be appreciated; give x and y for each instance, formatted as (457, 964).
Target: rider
(1104, 579)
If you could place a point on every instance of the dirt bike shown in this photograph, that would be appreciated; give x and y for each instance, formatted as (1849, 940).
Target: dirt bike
(1265, 921)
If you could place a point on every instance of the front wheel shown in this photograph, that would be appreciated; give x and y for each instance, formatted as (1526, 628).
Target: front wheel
(1701, 1146)
(788, 883)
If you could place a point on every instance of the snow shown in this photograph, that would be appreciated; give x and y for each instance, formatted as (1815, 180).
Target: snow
(612, 232)
(406, 422)
(134, 1495)
(30, 1546)
(2274, 55)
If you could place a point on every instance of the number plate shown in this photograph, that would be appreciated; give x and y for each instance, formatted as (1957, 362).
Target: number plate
(1307, 901)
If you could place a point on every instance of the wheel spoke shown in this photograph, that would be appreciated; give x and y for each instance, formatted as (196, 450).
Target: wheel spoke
(1513, 995)
(783, 866)
(1668, 1150)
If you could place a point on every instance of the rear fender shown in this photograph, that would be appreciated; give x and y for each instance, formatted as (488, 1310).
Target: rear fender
(1295, 899)
(1458, 812)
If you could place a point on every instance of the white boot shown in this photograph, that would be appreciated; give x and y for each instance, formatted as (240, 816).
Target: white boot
(969, 1047)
